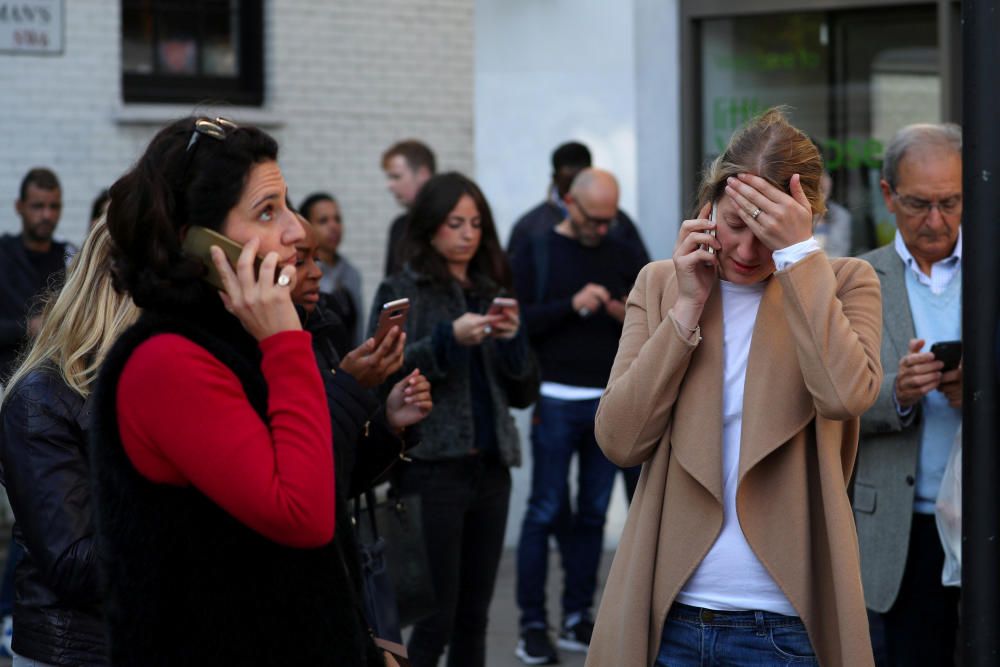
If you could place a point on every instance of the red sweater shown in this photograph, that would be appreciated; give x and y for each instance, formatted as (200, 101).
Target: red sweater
(184, 419)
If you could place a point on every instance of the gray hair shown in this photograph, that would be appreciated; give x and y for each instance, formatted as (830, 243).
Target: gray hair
(946, 135)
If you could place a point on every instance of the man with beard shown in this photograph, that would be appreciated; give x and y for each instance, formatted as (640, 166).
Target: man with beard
(29, 260)
(572, 282)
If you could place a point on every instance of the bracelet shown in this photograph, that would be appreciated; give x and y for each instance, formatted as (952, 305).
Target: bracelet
(691, 333)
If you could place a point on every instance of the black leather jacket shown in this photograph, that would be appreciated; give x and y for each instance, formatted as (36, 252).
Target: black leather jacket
(43, 449)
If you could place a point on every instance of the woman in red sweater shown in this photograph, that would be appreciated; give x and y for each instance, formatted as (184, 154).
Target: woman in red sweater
(214, 471)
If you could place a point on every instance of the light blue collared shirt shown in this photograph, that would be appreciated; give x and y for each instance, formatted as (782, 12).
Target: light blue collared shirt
(942, 271)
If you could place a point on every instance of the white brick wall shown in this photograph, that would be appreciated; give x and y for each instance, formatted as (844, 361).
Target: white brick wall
(344, 80)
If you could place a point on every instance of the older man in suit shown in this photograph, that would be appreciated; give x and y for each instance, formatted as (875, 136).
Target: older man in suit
(908, 433)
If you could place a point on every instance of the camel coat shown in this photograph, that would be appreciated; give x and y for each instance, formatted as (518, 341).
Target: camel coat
(813, 370)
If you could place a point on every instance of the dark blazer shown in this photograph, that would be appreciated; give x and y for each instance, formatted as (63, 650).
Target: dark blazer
(884, 483)
(511, 371)
(43, 448)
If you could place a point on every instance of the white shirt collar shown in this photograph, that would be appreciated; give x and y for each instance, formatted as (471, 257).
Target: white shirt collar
(942, 271)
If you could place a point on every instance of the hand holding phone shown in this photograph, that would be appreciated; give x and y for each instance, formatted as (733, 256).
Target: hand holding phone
(394, 313)
(507, 312)
(262, 305)
(503, 306)
(198, 244)
(948, 352)
(711, 232)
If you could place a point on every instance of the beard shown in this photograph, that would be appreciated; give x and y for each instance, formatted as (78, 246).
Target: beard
(40, 231)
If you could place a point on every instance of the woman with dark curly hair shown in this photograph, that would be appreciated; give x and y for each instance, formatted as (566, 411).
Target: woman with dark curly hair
(214, 473)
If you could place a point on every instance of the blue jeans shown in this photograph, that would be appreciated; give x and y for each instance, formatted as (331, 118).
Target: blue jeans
(694, 637)
(561, 429)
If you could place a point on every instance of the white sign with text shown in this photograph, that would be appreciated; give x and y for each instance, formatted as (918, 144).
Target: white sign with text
(31, 26)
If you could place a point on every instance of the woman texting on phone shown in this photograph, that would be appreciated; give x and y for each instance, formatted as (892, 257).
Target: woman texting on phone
(479, 365)
(744, 366)
(214, 472)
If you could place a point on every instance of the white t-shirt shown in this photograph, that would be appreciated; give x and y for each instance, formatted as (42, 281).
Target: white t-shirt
(731, 577)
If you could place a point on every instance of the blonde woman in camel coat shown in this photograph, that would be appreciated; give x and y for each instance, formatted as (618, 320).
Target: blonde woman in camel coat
(812, 368)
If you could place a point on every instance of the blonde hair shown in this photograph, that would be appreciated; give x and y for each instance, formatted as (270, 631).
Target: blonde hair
(82, 320)
(772, 148)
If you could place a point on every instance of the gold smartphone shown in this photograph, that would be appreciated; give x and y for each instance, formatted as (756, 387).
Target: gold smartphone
(393, 314)
(198, 244)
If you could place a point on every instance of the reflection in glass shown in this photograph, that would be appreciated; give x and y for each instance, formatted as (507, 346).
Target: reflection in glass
(137, 40)
(752, 63)
(177, 48)
(221, 52)
(851, 80)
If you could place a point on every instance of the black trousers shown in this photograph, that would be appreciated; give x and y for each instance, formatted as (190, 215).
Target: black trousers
(464, 506)
(922, 626)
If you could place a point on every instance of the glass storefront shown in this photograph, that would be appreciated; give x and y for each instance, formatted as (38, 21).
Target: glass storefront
(850, 78)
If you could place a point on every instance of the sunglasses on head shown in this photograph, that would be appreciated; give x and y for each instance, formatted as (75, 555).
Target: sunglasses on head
(218, 129)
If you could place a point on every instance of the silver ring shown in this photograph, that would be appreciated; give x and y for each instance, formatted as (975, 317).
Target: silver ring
(284, 280)
(583, 312)
(487, 330)
(755, 213)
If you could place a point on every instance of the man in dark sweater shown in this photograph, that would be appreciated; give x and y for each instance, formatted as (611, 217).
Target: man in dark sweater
(568, 160)
(407, 165)
(29, 260)
(572, 283)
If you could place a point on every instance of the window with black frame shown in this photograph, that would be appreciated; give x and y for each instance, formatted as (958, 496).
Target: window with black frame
(189, 51)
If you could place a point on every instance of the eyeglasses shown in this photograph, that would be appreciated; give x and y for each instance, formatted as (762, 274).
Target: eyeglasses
(217, 129)
(597, 222)
(916, 206)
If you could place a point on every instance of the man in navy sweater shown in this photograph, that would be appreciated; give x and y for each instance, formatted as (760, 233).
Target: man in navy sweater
(572, 283)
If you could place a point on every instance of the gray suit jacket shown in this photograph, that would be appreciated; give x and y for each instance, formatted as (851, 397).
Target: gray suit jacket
(885, 474)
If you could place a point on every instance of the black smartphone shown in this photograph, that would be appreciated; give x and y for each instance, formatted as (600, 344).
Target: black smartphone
(948, 351)
(198, 243)
(393, 314)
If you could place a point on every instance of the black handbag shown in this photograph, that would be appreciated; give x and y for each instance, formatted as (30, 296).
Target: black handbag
(398, 588)
(393, 645)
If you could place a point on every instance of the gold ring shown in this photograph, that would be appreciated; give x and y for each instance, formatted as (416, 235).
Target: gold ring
(284, 280)
(755, 213)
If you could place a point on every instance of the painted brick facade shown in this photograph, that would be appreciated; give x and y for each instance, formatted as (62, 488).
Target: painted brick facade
(344, 80)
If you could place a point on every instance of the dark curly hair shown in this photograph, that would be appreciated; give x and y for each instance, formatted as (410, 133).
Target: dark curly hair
(170, 187)
(437, 198)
